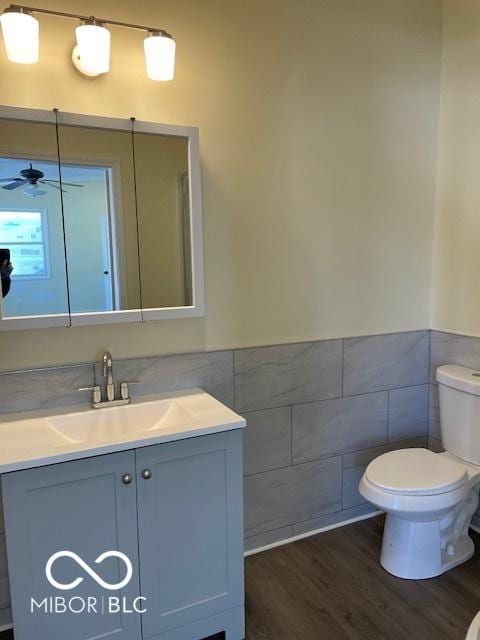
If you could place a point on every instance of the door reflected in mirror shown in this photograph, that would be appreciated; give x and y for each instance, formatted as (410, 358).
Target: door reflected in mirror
(100, 219)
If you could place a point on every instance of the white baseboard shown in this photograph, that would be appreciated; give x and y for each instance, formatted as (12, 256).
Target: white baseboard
(314, 532)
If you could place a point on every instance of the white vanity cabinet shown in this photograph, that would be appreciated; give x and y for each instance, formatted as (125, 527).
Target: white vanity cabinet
(173, 509)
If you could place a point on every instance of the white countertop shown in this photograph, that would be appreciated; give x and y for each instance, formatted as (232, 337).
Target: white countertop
(59, 435)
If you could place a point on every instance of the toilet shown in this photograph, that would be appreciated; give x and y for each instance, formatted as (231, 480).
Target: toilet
(474, 630)
(430, 498)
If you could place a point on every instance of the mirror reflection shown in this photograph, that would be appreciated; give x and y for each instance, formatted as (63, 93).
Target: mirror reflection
(96, 219)
(163, 202)
(100, 219)
(32, 252)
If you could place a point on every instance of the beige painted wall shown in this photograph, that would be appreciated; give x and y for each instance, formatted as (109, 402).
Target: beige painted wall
(318, 124)
(456, 281)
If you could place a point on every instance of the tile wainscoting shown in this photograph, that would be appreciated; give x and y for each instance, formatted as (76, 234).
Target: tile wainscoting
(317, 413)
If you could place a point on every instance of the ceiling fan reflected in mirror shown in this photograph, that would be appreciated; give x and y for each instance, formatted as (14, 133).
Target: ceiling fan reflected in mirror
(30, 179)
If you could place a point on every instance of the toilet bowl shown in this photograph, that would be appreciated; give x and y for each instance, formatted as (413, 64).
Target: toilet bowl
(474, 630)
(430, 498)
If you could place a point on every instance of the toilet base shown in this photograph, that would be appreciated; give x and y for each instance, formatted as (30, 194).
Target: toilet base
(413, 550)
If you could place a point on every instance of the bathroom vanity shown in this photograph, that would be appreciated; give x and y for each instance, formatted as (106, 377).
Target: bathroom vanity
(152, 489)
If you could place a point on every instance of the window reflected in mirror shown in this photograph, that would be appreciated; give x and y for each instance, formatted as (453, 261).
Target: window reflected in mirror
(32, 253)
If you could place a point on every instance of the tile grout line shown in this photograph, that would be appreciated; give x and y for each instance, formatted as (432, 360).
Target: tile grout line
(354, 395)
(343, 367)
(234, 389)
(333, 456)
(291, 435)
(221, 350)
(428, 387)
(226, 349)
(287, 526)
(341, 482)
(292, 524)
(388, 416)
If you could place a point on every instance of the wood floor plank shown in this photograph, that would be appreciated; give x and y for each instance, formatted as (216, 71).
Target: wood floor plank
(332, 586)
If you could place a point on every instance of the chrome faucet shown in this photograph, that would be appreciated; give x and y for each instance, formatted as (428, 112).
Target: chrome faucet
(108, 374)
(110, 401)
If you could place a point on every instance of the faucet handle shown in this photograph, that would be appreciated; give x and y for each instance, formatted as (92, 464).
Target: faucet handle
(97, 392)
(124, 388)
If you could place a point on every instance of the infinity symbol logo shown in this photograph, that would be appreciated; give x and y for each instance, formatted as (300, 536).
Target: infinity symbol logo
(89, 570)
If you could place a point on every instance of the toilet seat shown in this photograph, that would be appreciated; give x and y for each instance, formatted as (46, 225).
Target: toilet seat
(415, 472)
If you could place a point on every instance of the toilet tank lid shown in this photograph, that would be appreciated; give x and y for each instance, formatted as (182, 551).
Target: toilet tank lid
(461, 378)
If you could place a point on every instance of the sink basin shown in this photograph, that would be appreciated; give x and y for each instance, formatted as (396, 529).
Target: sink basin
(52, 437)
(121, 422)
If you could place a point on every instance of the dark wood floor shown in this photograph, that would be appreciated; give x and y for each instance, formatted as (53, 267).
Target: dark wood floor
(332, 587)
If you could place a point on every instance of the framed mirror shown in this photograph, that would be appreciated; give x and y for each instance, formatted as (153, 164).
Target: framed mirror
(113, 223)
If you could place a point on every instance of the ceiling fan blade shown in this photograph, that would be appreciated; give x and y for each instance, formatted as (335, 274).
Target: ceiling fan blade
(68, 184)
(15, 185)
(54, 186)
(9, 179)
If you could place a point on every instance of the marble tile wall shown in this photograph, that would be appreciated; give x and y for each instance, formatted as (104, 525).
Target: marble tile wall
(317, 413)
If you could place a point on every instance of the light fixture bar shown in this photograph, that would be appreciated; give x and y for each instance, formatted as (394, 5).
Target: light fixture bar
(77, 16)
(91, 56)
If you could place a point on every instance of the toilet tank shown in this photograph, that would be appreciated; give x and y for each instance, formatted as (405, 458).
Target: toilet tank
(459, 393)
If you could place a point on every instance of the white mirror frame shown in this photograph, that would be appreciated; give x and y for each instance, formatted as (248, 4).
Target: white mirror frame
(197, 309)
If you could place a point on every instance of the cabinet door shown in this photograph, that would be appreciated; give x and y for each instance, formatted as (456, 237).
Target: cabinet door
(190, 516)
(83, 507)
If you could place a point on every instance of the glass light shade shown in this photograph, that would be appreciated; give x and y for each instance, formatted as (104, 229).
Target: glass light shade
(93, 42)
(33, 190)
(160, 57)
(20, 36)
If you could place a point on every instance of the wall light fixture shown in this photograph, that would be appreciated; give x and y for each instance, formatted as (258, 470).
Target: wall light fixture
(91, 56)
